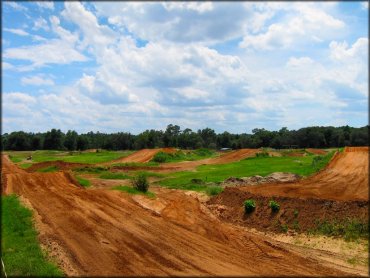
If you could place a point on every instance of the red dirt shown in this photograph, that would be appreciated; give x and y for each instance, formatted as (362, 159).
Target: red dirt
(61, 165)
(317, 151)
(108, 233)
(345, 178)
(142, 156)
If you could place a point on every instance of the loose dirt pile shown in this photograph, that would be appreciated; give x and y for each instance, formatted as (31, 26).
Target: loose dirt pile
(277, 177)
(108, 233)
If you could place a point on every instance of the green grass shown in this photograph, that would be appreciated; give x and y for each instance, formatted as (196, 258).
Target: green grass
(183, 155)
(91, 169)
(25, 165)
(77, 157)
(248, 167)
(20, 248)
(132, 190)
(83, 182)
(151, 174)
(48, 169)
(320, 161)
(114, 176)
(350, 229)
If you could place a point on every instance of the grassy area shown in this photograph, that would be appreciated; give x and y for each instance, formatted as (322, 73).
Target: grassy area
(25, 165)
(20, 248)
(48, 169)
(114, 176)
(349, 229)
(136, 164)
(83, 182)
(132, 190)
(78, 157)
(183, 155)
(151, 174)
(320, 161)
(248, 167)
(91, 170)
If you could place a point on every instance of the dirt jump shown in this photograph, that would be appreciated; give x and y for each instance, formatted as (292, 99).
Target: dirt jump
(141, 156)
(346, 177)
(99, 232)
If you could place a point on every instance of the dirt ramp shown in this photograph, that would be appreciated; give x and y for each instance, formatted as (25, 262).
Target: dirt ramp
(61, 165)
(142, 156)
(346, 178)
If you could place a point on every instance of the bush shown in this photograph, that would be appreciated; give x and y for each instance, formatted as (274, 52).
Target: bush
(160, 157)
(262, 154)
(140, 182)
(275, 207)
(249, 205)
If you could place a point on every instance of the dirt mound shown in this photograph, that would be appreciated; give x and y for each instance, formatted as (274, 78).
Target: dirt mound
(61, 165)
(277, 177)
(142, 156)
(356, 149)
(296, 214)
(316, 151)
(346, 178)
(106, 233)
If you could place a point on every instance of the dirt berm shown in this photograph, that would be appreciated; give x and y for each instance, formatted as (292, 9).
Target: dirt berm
(107, 233)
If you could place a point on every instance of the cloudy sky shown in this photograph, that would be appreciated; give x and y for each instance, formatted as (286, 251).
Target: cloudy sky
(234, 66)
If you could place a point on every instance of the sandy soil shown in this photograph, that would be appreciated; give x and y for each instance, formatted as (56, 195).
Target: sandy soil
(101, 232)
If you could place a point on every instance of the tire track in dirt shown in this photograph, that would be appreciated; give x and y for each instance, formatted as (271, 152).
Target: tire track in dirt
(108, 233)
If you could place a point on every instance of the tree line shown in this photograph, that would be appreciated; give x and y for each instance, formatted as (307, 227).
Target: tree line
(173, 136)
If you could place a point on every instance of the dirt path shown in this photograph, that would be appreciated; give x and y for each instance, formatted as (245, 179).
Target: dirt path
(103, 232)
(345, 178)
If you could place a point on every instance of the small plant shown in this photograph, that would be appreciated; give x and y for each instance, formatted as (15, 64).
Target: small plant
(249, 205)
(213, 190)
(295, 213)
(262, 154)
(284, 228)
(296, 225)
(197, 181)
(161, 157)
(275, 207)
(140, 182)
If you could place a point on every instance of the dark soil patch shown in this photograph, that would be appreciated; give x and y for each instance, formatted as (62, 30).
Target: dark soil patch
(301, 215)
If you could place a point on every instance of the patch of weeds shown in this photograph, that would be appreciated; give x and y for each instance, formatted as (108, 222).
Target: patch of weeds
(214, 190)
(134, 191)
(83, 182)
(295, 213)
(284, 228)
(349, 229)
(295, 226)
(320, 161)
(140, 183)
(262, 154)
(114, 176)
(249, 205)
(25, 165)
(197, 181)
(151, 174)
(48, 169)
(274, 206)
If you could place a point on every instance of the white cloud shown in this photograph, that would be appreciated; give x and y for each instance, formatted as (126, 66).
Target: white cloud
(306, 23)
(16, 6)
(45, 5)
(37, 81)
(40, 23)
(19, 32)
(365, 5)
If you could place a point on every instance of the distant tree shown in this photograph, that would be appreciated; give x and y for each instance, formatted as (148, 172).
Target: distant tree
(53, 140)
(70, 141)
(82, 142)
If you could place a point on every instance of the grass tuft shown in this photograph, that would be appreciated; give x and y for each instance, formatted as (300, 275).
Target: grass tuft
(114, 176)
(83, 182)
(48, 169)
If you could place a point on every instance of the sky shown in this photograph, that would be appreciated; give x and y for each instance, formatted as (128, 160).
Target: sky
(230, 66)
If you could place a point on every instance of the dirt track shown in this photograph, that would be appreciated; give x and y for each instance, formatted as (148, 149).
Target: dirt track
(345, 178)
(141, 156)
(102, 232)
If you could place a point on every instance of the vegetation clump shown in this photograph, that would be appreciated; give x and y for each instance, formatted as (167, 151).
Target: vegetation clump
(249, 205)
(274, 206)
(140, 182)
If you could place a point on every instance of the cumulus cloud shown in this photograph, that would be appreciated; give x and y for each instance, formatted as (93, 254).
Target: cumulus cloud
(41, 23)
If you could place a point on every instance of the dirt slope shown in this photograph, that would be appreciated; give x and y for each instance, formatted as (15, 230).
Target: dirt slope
(142, 156)
(345, 178)
(108, 233)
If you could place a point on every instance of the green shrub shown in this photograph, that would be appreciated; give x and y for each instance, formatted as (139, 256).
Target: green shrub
(160, 157)
(284, 228)
(83, 182)
(140, 182)
(275, 207)
(249, 205)
(214, 190)
(262, 154)
(197, 181)
(295, 213)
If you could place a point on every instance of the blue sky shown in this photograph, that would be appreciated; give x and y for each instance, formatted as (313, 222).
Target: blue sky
(234, 66)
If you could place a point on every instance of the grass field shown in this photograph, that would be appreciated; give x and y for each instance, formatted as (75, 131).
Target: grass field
(77, 157)
(262, 166)
(20, 248)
